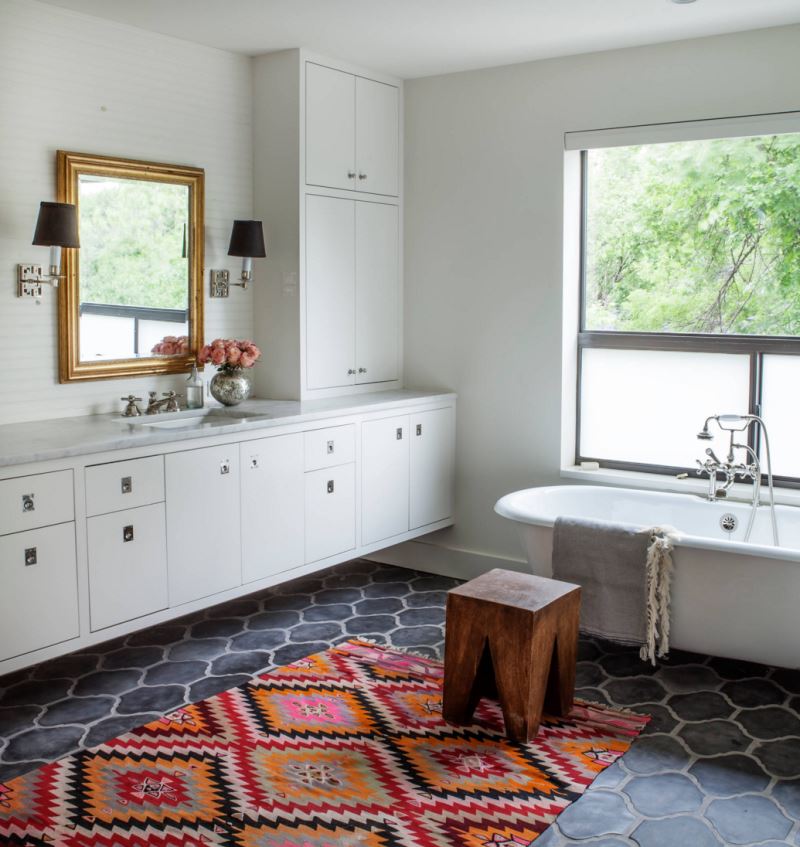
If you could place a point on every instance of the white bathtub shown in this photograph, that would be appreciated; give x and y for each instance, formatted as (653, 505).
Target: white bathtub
(728, 599)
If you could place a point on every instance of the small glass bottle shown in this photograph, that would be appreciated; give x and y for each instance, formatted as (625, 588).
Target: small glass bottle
(194, 390)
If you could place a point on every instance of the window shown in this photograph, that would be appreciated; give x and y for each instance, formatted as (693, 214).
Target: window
(690, 284)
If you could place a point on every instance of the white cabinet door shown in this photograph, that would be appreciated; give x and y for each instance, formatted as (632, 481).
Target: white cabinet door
(330, 512)
(39, 593)
(127, 565)
(330, 127)
(384, 475)
(377, 292)
(273, 498)
(432, 461)
(203, 515)
(377, 137)
(330, 292)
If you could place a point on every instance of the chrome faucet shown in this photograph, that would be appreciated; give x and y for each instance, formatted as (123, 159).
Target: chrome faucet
(750, 468)
(169, 403)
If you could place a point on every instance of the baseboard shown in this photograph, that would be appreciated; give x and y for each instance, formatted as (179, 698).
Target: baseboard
(445, 561)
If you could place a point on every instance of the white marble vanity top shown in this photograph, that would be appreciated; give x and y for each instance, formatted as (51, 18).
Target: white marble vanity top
(38, 441)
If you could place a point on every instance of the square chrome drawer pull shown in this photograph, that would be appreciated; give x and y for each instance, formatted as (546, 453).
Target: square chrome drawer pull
(27, 503)
(399, 433)
(330, 486)
(127, 533)
(330, 447)
(30, 556)
(127, 484)
(225, 467)
(419, 429)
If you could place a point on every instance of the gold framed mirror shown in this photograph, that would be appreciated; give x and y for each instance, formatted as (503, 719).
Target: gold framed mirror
(131, 301)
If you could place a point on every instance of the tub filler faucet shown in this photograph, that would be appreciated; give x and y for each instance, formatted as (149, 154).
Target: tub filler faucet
(730, 469)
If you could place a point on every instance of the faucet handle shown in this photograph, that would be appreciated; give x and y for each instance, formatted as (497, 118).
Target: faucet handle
(131, 409)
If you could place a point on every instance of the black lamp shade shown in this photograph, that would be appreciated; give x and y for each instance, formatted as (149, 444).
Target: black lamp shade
(247, 239)
(57, 226)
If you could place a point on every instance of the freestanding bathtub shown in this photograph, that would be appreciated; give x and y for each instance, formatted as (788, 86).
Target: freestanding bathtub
(729, 598)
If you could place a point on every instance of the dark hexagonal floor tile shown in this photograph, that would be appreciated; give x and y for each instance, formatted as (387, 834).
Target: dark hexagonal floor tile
(158, 698)
(217, 628)
(164, 634)
(117, 725)
(729, 774)
(748, 819)
(261, 639)
(415, 636)
(749, 693)
(107, 682)
(387, 575)
(638, 689)
(713, 737)
(132, 657)
(67, 667)
(282, 602)
(353, 580)
(654, 754)
(661, 719)
(686, 678)
(787, 793)
(673, 832)
(366, 624)
(419, 617)
(433, 583)
(214, 685)
(240, 663)
(315, 632)
(593, 695)
(701, 706)
(46, 744)
(77, 710)
(328, 612)
(35, 692)
(769, 722)
(292, 652)
(10, 771)
(16, 718)
(379, 606)
(663, 794)
(780, 758)
(588, 650)
(277, 619)
(625, 664)
(174, 672)
(737, 669)
(589, 675)
(338, 595)
(595, 813)
(426, 598)
(188, 651)
(386, 589)
(234, 609)
(789, 680)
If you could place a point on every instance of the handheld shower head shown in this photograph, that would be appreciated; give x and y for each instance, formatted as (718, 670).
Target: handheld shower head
(704, 434)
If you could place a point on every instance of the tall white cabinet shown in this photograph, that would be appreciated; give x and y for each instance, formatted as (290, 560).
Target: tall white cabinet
(328, 182)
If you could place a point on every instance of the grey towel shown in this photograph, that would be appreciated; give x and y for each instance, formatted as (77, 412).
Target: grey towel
(608, 560)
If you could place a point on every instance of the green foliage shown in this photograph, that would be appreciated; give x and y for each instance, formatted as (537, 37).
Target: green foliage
(699, 236)
(131, 243)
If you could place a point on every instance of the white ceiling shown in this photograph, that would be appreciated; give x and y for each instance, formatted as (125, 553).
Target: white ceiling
(411, 38)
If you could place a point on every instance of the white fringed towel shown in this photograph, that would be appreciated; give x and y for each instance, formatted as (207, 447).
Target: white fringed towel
(625, 574)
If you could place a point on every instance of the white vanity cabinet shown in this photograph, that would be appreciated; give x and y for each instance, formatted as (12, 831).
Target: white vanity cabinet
(352, 292)
(204, 546)
(432, 449)
(384, 478)
(126, 540)
(273, 505)
(38, 566)
(352, 131)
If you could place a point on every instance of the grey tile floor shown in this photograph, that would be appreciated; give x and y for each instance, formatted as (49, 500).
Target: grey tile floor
(718, 765)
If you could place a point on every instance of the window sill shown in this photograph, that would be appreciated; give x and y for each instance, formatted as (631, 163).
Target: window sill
(661, 482)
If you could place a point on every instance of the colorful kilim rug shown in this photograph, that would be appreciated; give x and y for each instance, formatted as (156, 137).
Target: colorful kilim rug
(344, 749)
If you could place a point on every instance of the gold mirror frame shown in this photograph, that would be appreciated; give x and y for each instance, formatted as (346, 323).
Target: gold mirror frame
(69, 167)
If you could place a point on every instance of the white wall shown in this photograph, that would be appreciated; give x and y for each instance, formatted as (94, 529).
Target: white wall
(483, 234)
(78, 83)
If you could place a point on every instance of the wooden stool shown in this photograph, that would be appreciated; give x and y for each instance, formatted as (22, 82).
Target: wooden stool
(514, 635)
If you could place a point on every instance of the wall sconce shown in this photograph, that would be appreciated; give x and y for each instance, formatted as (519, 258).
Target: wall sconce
(56, 227)
(247, 241)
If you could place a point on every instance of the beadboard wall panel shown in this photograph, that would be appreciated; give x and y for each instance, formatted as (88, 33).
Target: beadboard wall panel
(73, 82)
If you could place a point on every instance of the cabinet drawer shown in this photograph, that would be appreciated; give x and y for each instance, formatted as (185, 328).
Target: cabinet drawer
(124, 485)
(326, 448)
(330, 512)
(39, 596)
(27, 502)
(127, 565)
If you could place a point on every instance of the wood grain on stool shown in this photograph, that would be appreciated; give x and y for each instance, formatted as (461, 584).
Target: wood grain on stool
(514, 635)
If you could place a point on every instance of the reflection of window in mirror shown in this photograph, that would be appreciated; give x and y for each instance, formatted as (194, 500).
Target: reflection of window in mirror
(134, 270)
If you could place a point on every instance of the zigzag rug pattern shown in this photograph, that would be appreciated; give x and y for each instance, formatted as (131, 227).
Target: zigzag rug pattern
(346, 748)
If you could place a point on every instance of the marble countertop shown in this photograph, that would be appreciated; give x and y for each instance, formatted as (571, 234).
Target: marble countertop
(58, 438)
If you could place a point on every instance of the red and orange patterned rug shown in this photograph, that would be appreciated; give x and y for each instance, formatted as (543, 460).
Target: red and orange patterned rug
(344, 749)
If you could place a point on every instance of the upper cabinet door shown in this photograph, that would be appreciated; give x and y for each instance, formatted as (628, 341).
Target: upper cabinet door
(377, 137)
(330, 292)
(377, 292)
(330, 127)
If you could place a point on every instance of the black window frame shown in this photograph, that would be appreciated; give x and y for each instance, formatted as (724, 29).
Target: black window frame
(755, 346)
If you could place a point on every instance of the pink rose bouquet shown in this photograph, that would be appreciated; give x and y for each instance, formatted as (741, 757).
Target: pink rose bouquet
(229, 355)
(171, 345)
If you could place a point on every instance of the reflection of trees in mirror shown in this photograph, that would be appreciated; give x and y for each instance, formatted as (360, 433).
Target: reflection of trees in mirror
(697, 236)
(132, 240)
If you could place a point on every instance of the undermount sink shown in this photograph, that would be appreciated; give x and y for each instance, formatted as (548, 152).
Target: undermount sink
(196, 419)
